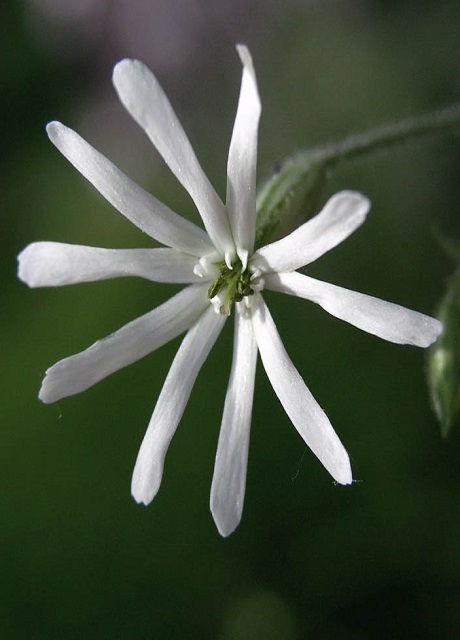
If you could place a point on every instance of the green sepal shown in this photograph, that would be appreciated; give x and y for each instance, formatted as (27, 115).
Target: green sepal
(444, 360)
(290, 197)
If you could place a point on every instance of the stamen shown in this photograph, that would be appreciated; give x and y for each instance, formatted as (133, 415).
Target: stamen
(232, 285)
(198, 270)
(216, 286)
(229, 258)
(243, 255)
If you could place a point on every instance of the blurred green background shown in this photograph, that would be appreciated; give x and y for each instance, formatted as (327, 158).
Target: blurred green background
(78, 558)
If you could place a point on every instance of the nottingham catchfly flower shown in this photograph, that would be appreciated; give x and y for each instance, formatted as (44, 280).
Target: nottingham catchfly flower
(225, 277)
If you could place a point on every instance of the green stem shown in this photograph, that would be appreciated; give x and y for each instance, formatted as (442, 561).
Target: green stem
(388, 135)
(290, 197)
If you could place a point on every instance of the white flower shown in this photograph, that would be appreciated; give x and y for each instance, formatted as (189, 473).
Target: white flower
(223, 273)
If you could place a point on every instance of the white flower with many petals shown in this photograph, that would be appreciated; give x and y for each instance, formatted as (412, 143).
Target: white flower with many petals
(223, 273)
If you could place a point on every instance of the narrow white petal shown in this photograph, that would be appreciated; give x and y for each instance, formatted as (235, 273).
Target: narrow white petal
(52, 264)
(306, 414)
(171, 404)
(145, 100)
(130, 343)
(341, 215)
(242, 159)
(136, 204)
(379, 317)
(229, 480)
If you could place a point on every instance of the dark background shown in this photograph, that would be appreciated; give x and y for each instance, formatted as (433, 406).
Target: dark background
(78, 557)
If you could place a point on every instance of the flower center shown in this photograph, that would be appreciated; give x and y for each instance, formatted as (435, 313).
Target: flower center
(231, 285)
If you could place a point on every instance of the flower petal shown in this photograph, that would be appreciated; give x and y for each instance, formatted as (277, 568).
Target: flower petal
(242, 159)
(52, 264)
(171, 404)
(229, 480)
(306, 414)
(136, 204)
(383, 319)
(341, 215)
(127, 345)
(145, 100)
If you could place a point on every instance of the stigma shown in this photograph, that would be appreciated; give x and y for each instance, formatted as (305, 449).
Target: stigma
(232, 284)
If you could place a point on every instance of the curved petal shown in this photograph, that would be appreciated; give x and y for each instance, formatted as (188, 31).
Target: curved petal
(229, 480)
(145, 100)
(171, 404)
(52, 264)
(136, 204)
(242, 160)
(127, 345)
(306, 414)
(378, 317)
(341, 215)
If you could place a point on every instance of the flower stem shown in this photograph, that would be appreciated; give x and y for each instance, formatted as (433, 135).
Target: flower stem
(290, 197)
(434, 123)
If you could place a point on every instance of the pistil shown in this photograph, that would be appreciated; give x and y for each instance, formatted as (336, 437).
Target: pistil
(231, 285)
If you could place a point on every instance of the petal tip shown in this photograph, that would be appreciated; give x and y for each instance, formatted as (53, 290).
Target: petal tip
(140, 494)
(225, 531)
(124, 68)
(345, 478)
(438, 327)
(433, 331)
(340, 469)
(31, 265)
(245, 55)
(53, 124)
(54, 385)
(246, 61)
(138, 498)
(146, 478)
(343, 474)
(23, 271)
(226, 523)
(64, 138)
(122, 64)
(338, 465)
(356, 198)
(53, 129)
(49, 390)
(45, 395)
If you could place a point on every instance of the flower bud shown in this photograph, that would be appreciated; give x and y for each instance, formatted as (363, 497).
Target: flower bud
(444, 360)
(290, 197)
